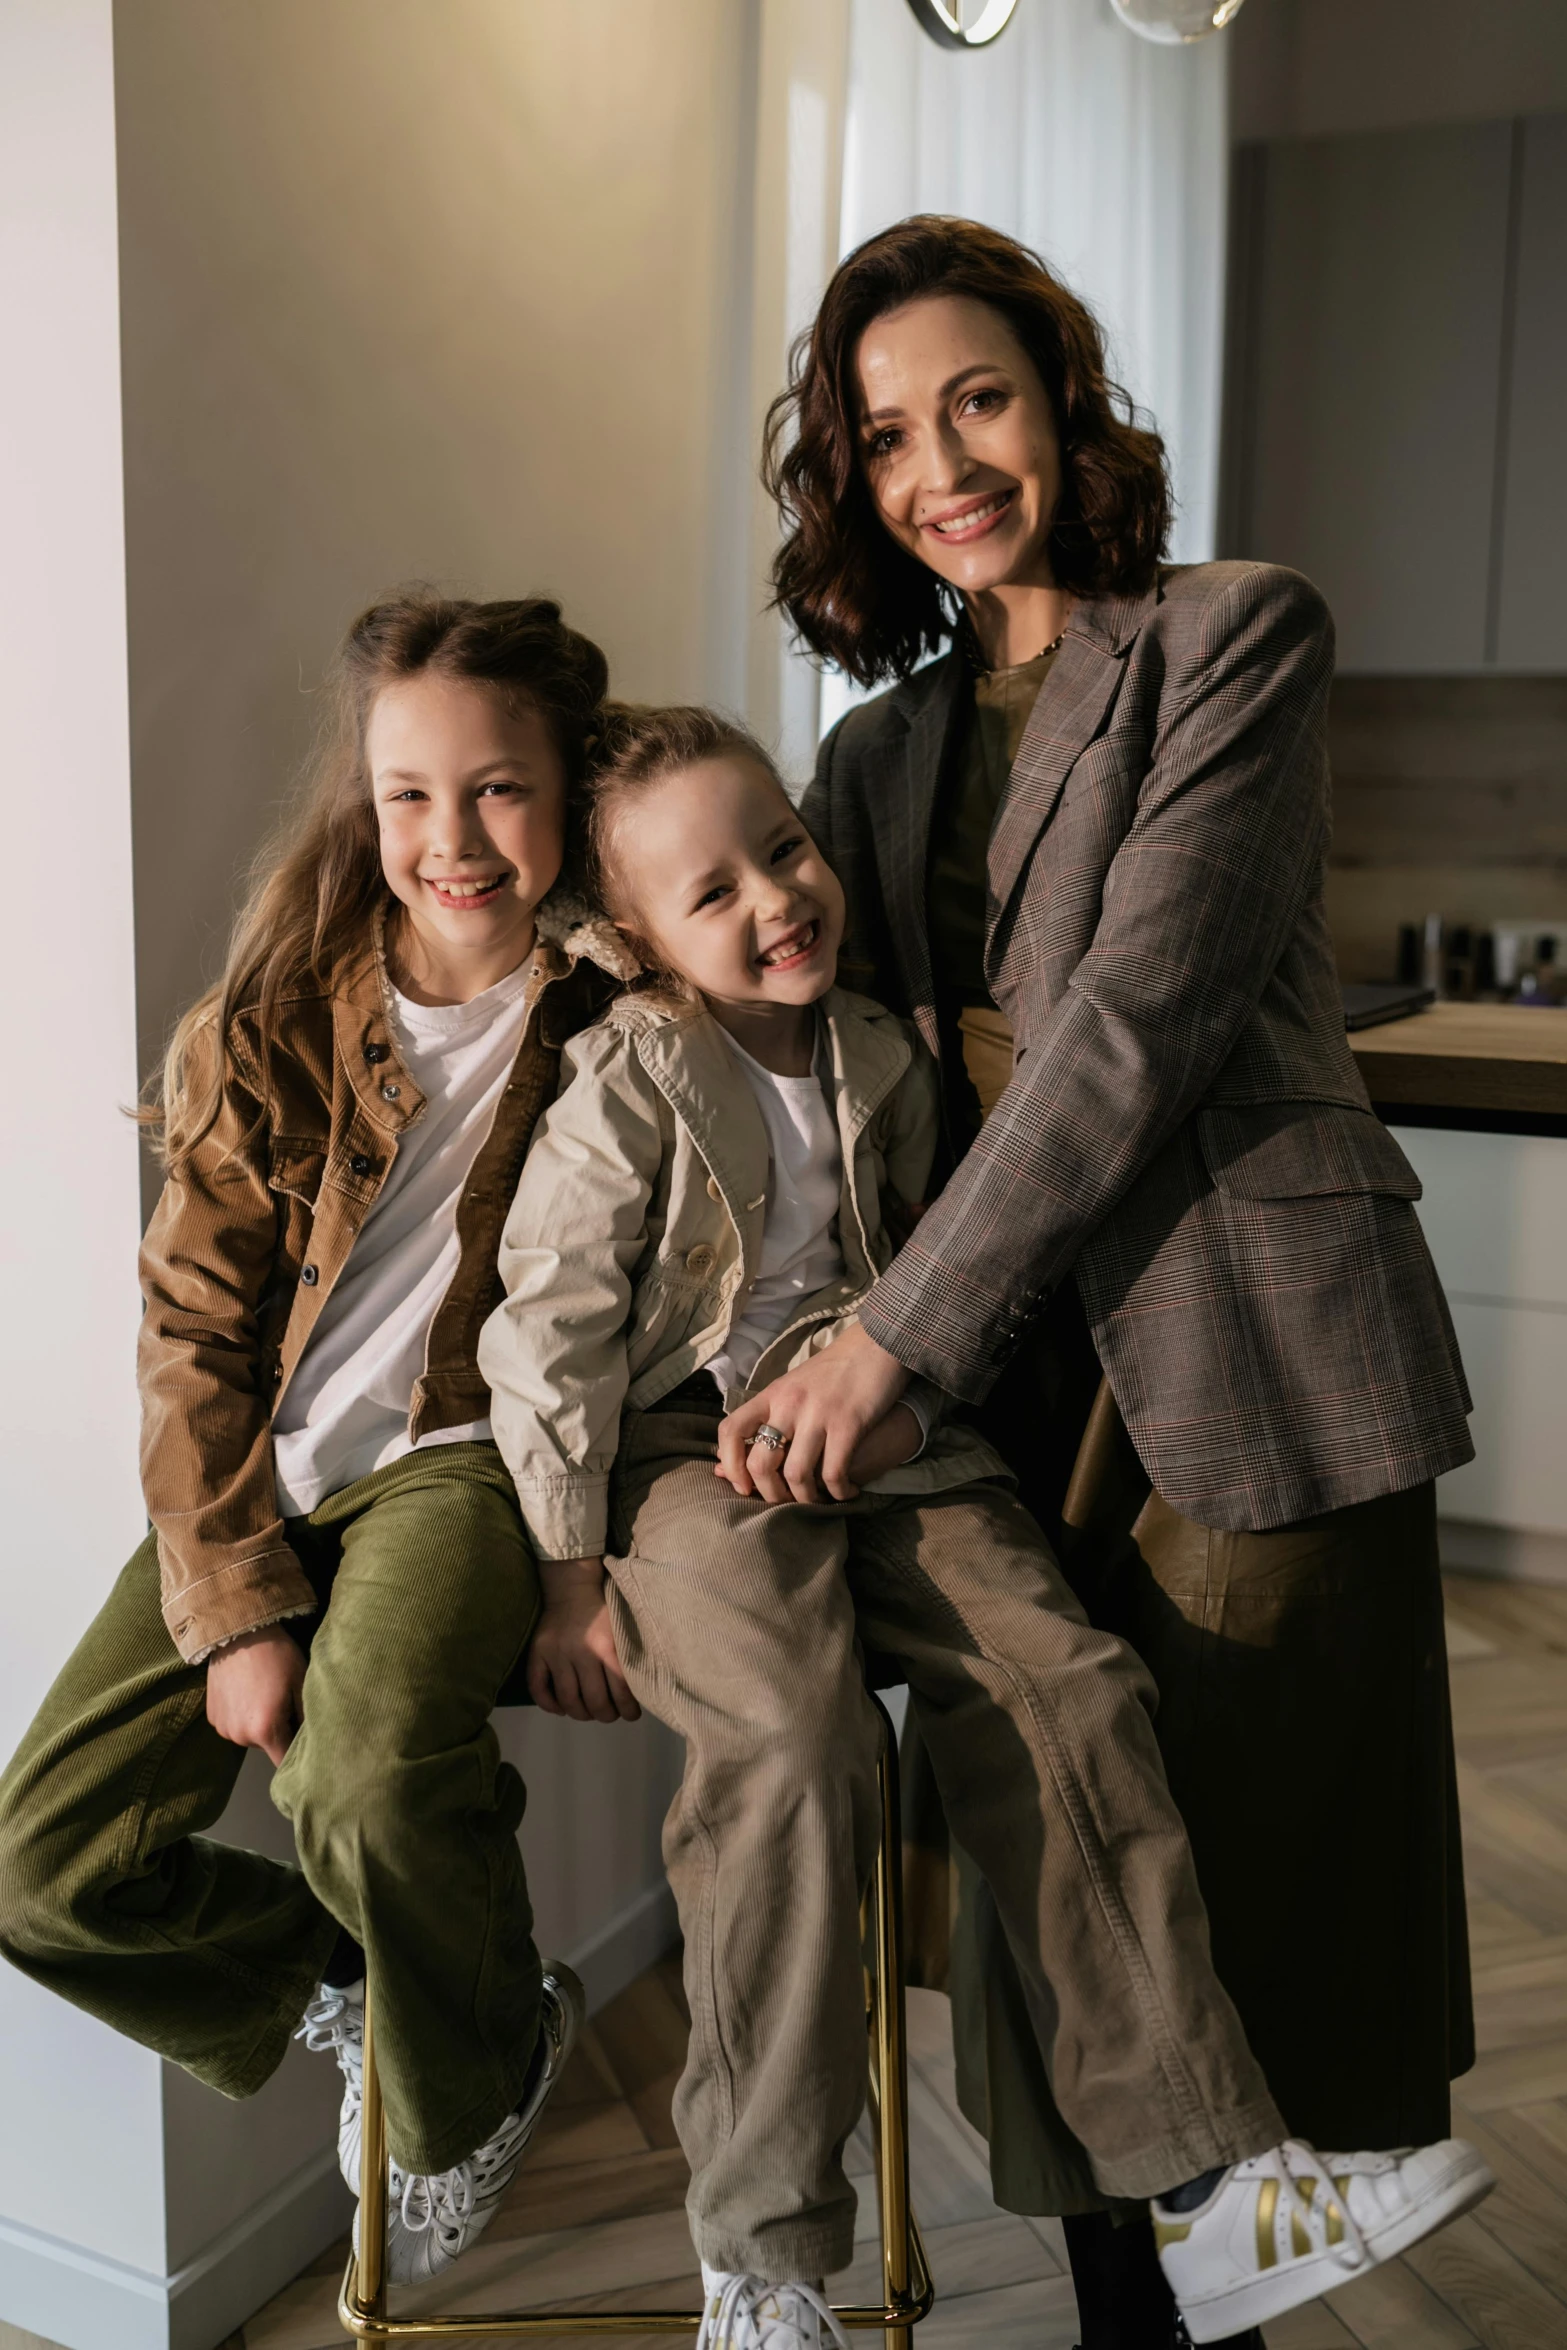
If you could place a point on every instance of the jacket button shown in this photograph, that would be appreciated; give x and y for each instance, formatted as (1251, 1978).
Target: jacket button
(360, 1165)
(701, 1260)
(310, 1276)
(389, 1093)
(377, 1052)
(713, 1191)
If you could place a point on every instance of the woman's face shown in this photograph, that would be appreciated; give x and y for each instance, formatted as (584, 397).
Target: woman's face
(958, 442)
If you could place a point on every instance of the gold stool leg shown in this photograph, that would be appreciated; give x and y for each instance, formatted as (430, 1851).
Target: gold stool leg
(889, 2043)
(372, 2192)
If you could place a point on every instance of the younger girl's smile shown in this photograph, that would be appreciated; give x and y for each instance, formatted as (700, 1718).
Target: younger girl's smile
(794, 950)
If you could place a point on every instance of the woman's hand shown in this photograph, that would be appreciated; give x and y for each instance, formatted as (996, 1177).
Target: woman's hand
(573, 1665)
(255, 1691)
(827, 1408)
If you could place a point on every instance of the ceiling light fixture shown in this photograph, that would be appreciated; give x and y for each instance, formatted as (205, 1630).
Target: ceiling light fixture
(966, 24)
(1171, 22)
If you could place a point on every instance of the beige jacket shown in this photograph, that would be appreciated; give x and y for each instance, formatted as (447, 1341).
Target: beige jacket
(636, 1233)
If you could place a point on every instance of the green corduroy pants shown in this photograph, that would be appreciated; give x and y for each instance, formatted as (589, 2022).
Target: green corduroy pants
(404, 1814)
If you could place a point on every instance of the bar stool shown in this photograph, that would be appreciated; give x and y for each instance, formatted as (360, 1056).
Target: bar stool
(907, 2291)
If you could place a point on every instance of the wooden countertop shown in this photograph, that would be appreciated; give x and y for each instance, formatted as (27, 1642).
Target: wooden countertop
(1505, 1058)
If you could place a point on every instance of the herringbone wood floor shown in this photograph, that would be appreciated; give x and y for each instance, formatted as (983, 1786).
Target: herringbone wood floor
(597, 2216)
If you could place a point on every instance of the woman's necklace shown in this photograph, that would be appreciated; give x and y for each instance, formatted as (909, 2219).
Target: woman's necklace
(974, 660)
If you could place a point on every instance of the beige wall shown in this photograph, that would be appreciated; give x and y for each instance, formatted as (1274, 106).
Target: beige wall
(1317, 66)
(448, 292)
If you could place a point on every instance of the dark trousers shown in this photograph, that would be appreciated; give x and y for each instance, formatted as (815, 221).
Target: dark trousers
(1306, 1733)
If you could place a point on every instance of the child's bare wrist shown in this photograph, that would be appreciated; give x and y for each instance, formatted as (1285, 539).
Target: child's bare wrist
(560, 1577)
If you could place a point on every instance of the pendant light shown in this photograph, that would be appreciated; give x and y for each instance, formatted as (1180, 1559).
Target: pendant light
(1173, 21)
(964, 24)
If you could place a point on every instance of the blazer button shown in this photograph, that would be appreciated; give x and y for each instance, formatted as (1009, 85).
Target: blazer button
(701, 1260)
(389, 1093)
(310, 1276)
(360, 1165)
(377, 1052)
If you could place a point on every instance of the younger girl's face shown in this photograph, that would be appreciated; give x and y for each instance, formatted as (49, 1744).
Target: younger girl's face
(470, 797)
(729, 887)
(958, 442)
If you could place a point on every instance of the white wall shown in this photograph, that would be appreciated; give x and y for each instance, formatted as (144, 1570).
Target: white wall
(68, 1218)
(1305, 67)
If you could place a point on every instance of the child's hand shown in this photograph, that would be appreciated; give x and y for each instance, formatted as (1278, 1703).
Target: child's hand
(255, 1691)
(573, 1667)
(896, 1438)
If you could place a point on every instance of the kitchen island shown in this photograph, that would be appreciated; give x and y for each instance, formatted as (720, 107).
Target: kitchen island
(1486, 1068)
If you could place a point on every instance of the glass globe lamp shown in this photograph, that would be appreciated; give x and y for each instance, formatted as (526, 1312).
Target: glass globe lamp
(1171, 22)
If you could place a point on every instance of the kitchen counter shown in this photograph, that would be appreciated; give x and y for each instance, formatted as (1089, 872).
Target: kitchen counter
(1495, 1067)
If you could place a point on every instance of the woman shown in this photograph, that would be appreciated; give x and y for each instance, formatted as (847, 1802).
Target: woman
(1175, 1266)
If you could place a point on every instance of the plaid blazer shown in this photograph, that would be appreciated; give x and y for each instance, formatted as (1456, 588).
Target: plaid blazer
(1185, 1128)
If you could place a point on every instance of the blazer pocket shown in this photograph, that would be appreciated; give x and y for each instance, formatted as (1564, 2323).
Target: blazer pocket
(1301, 1150)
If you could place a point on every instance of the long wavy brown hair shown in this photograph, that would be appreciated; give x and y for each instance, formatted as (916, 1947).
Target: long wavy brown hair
(317, 885)
(853, 594)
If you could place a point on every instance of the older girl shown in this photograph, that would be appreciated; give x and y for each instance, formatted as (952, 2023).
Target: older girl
(336, 1571)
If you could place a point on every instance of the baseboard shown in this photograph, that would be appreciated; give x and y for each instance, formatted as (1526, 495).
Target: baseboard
(1517, 1554)
(85, 2302)
(614, 1955)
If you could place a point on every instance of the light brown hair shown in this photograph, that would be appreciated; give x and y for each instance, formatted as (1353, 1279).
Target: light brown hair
(639, 746)
(854, 595)
(317, 886)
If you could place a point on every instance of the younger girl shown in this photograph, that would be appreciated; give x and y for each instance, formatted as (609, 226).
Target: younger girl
(343, 1118)
(704, 1205)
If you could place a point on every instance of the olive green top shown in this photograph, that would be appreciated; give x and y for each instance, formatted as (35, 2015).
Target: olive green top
(960, 840)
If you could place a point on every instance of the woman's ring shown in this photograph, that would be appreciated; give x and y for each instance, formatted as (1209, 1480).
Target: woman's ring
(774, 1438)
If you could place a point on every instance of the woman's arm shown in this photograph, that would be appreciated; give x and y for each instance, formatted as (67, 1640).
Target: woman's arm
(206, 1440)
(1199, 904)
(554, 1353)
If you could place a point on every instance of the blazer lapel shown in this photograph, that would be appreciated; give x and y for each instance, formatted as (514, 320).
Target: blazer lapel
(912, 767)
(1069, 713)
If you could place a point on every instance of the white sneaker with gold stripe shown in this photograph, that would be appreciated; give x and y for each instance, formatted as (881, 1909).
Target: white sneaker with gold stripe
(1292, 2224)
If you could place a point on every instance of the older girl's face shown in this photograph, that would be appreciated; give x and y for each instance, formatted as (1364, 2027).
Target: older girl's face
(470, 799)
(958, 443)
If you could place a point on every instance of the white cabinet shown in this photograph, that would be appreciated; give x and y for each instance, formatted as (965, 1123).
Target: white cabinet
(1397, 387)
(1495, 1215)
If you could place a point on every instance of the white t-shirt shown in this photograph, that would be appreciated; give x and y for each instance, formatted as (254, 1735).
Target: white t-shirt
(346, 1409)
(800, 1252)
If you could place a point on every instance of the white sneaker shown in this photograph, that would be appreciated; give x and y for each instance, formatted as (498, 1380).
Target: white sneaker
(431, 2221)
(335, 2019)
(746, 2313)
(1291, 2224)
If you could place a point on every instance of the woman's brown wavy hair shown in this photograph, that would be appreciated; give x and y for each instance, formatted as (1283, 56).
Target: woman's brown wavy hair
(854, 595)
(316, 886)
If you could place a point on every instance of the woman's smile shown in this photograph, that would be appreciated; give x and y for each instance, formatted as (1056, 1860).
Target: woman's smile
(973, 518)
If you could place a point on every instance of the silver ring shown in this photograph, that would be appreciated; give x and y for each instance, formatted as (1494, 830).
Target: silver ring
(774, 1438)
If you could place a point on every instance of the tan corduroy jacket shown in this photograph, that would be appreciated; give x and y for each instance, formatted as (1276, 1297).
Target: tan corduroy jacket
(253, 1230)
(637, 1231)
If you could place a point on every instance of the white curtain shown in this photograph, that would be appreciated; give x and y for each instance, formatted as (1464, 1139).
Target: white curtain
(1106, 154)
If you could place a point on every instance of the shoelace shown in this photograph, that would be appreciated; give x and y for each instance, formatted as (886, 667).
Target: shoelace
(325, 2027)
(443, 2200)
(1352, 2252)
(740, 2304)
